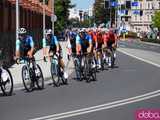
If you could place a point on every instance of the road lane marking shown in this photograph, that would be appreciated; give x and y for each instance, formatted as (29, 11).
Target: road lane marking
(101, 107)
(139, 58)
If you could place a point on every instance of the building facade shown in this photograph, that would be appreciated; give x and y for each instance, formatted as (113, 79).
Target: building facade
(143, 21)
(138, 17)
(30, 17)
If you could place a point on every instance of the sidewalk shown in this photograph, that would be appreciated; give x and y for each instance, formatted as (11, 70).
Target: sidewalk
(45, 66)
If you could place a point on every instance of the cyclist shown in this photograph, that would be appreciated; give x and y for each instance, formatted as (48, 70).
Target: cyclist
(54, 48)
(72, 39)
(105, 37)
(99, 44)
(111, 42)
(86, 42)
(24, 45)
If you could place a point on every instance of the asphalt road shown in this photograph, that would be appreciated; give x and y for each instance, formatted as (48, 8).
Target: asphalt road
(135, 44)
(130, 78)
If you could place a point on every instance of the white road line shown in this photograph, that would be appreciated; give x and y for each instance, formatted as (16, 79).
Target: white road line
(144, 60)
(100, 107)
(107, 105)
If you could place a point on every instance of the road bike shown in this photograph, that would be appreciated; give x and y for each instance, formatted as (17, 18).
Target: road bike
(56, 71)
(111, 54)
(6, 81)
(78, 67)
(31, 74)
(89, 70)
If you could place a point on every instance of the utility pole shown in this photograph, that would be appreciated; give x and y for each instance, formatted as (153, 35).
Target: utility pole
(110, 15)
(53, 14)
(44, 19)
(17, 19)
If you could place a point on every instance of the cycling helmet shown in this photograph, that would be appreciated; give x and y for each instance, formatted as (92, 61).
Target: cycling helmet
(22, 31)
(48, 32)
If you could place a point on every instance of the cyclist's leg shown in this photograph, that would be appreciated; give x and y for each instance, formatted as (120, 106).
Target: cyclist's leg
(114, 46)
(99, 52)
(62, 65)
(109, 47)
(51, 52)
(95, 54)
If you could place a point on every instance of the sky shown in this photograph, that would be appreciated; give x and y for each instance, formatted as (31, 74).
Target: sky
(82, 4)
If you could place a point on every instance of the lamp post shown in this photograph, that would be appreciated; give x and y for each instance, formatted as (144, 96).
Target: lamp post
(53, 16)
(44, 19)
(17, 18)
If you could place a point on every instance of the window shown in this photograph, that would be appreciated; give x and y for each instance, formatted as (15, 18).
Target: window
(148, 5)
(140, 18)
(148, 17)
(136, 18)
(140, 5)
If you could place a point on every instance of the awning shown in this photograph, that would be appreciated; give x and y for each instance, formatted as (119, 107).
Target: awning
(33, 5)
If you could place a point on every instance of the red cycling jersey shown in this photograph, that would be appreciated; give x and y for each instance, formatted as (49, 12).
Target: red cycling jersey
(99, 37)
(111, 37)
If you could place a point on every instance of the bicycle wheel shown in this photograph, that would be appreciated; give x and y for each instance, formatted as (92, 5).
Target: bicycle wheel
(93, 71)
(112, 59)
(6, 82)
(64, 80)
(102, 64)
(39, 77)
(55, 75)
(26, 77)
(87, 70)
(78, 69)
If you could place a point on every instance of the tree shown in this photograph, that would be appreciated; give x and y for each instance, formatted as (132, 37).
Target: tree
(102, 14)
(62, 11)
(99, 11)
(156, 20)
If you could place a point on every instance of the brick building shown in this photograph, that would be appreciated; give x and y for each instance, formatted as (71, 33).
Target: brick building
(31, 17)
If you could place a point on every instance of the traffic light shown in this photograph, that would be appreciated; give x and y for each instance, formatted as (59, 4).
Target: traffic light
(106, 4)
(141, 13)
(128, 4)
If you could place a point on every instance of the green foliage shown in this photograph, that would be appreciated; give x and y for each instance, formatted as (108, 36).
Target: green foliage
(62, 11)
(101, 14)
(151, 40)
(156, 19)
(99, 11)
(131, 35)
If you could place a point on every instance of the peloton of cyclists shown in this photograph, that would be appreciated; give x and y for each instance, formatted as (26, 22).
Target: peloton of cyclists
(93, 41)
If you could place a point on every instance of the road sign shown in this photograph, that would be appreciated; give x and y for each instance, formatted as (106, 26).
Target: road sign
(53, 18)
(137, 12)
(114, 4)
(135, 4)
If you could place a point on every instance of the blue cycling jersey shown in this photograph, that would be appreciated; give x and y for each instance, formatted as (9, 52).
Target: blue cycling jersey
(27, 42)
(54, 41)
(87, 38)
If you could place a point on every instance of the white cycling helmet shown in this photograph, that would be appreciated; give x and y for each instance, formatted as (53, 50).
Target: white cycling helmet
(49, 31)
(22, 31)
